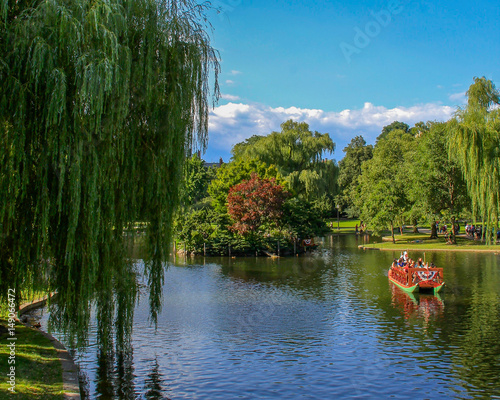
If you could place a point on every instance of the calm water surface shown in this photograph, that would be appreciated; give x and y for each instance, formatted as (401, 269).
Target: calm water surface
(323, 326)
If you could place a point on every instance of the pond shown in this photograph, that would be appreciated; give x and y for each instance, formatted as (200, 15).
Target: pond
(323, 325)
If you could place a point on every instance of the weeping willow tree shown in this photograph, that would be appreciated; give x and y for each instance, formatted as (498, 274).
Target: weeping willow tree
(298, 154)
(475, 143)
(100, 100)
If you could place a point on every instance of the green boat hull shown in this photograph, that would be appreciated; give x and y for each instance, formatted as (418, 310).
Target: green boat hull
(411, 289)
(408, 289)
(438, 288)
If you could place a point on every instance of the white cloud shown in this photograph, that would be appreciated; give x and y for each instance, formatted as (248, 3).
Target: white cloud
(230, 97)
(459, 98)
(234, 72)
(234, 122)
(229, 82)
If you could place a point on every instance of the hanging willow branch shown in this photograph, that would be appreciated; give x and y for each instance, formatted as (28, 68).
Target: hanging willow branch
(475, 143)
(99, 102)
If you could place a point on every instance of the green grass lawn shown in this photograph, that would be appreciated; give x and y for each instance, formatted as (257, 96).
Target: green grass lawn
(421, 241)
(345, 225)
(38, 370)
(25, 297)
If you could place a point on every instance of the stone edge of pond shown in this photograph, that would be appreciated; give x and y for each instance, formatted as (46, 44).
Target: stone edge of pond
(410, 248)
(71, 385)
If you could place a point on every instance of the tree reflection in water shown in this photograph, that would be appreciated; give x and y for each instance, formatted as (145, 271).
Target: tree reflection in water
(112, 301)
(154, 382)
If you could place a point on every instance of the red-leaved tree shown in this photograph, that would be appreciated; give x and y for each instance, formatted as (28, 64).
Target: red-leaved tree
(255, 202)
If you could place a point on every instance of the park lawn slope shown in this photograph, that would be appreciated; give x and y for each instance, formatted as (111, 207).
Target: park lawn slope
(423, 243)
(38, 369)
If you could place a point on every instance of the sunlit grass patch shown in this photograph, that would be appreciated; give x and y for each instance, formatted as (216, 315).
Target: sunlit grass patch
(38, 370)
(344, 225)
(423, 242)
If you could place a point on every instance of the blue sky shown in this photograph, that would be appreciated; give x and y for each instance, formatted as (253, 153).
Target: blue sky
(346, 68)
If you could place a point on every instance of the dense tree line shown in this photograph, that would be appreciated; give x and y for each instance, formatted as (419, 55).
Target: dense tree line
(434, 171)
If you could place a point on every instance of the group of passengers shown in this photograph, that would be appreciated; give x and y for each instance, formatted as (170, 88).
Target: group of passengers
(406, 262)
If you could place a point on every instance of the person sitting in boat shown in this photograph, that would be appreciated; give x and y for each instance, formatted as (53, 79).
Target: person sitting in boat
(420, 263)
(401, 262)
(406, 266)
(405, 256)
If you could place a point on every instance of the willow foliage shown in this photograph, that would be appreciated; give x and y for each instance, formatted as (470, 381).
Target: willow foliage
(298, 154)
(475, 144)
(100, 100)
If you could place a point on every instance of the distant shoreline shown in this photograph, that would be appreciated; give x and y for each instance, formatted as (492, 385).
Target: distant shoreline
(414, 248)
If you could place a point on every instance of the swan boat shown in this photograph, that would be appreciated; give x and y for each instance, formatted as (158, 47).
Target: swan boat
(421, 279)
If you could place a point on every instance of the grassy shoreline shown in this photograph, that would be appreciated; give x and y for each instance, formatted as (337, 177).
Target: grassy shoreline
(38, 370)
(422, 242)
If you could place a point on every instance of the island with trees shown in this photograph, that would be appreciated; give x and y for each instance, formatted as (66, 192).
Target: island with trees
(276, 192)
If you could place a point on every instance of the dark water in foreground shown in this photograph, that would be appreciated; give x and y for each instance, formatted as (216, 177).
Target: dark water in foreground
(314, 327)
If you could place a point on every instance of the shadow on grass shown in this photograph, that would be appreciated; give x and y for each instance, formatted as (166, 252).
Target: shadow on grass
(38, 370)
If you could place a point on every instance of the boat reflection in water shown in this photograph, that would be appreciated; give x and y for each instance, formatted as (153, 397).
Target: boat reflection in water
(426, 306)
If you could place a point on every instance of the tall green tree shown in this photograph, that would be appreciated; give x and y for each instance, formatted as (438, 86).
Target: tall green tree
(475, 144)
(99, 103)
(356, 153)
(437, 187)
(420, 128)
(396, 125)
(384, 183)
(241, 150)
(295, 148)
(299, 155)
(197, 177)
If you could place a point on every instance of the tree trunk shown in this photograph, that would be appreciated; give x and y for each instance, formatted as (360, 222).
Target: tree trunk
(496, 230)
(392, 233)
(483, 229)
(452, 234)
(434, 233)
(415, 227)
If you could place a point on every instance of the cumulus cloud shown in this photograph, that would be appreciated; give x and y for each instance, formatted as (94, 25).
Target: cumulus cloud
(230, 97)
(235, 72)
(234, 122)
